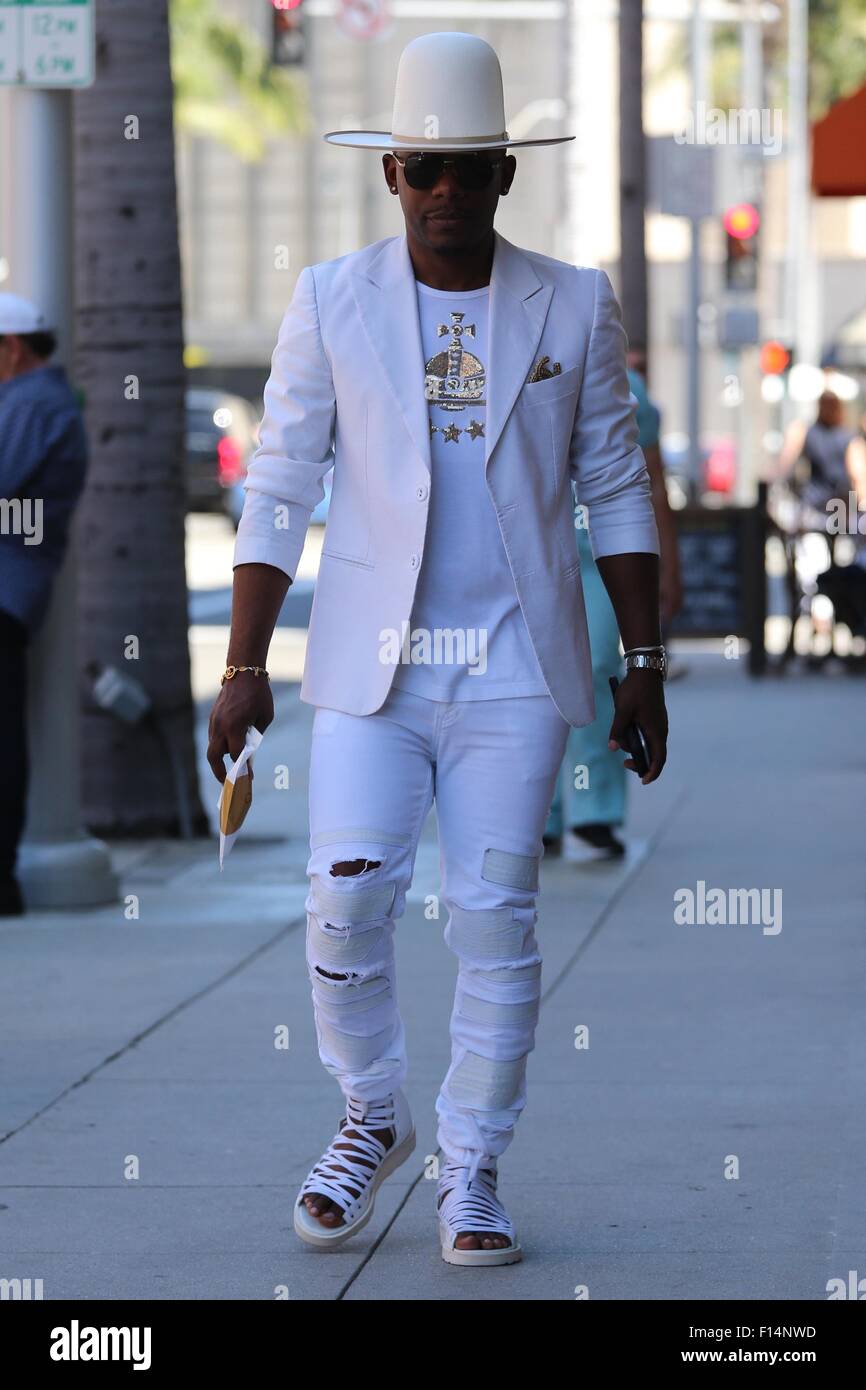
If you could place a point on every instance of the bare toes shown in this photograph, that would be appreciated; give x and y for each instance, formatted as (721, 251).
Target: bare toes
(323, 1209)
(467, 1242)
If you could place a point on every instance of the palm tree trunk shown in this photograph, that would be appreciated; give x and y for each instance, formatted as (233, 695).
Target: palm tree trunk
(129, 362)
(632, 174)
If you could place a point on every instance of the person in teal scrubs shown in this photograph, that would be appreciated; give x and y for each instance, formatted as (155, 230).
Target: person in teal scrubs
(591, 788)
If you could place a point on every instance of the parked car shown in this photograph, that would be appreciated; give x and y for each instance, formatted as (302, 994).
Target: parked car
(222, 432)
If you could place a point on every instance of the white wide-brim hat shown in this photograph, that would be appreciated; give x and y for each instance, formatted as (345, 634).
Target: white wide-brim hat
(448, 96)
(19, 315)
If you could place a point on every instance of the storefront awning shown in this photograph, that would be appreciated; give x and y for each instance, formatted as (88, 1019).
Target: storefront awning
(839, 149)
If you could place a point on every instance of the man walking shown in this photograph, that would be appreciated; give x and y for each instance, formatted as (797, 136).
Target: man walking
(43, 464)
(460, 384)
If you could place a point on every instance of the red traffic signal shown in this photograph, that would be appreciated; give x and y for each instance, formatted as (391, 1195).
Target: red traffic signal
(742, 221)
(775, 358)
(288, 37)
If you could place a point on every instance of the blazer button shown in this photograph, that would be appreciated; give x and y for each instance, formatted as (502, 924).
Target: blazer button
(414, 561)
(421, 493)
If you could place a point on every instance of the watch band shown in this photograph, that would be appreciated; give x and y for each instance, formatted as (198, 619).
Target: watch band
(647, 661)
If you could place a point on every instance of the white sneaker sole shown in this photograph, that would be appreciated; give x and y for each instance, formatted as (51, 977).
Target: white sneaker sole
(311, 1230)
(579, 852)
(509, 1255)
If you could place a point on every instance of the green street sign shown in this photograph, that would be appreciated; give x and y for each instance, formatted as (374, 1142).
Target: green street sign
(47, 45)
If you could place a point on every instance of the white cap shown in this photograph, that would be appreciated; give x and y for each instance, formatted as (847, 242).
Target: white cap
(18, 315)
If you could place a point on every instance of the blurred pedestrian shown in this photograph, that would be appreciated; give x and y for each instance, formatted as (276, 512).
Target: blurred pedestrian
(43, 462)
(823, 460)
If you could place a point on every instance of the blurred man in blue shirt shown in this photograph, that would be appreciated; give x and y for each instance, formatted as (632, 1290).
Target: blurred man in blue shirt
(43, 463)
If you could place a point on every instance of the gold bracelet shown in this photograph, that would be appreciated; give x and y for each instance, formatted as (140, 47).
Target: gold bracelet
(231, 671)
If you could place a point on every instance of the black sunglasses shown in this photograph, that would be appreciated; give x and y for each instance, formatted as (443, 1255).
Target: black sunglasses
(473, 171)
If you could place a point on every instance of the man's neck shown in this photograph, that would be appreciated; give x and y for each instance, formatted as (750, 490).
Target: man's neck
(466, 268)
(25, 370)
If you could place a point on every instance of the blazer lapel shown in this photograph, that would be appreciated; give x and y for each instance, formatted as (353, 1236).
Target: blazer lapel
(387, 302)
(388, 305)
(519, 300)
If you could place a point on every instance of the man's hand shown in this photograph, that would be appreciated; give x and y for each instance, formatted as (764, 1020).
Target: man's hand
(244, 700)
(640, 700)
(258, 591)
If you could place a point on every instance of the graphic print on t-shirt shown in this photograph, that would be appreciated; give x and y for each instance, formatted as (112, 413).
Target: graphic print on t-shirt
(466, 638)
(456, 380)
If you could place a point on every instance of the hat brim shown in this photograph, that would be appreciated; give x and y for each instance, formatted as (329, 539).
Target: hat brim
(381, 140)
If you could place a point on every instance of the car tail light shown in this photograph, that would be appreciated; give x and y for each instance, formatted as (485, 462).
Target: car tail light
(229, 461)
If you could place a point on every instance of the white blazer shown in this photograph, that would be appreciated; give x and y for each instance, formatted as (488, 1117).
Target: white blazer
(347, 388)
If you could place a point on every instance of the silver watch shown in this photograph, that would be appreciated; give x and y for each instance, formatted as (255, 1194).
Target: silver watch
(648, 661)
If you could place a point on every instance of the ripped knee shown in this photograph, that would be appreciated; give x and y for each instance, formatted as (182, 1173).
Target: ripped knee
(339, 954)
(348, 909)
(499, 980)
(351, 868)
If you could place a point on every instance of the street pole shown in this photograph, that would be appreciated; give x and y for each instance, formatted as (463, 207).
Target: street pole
(59, 864)
(752, 172)
(699, 87)
(801, 279)
(581, 242)
(632, 175)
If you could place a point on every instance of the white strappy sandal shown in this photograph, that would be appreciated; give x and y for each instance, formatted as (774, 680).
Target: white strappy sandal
(470, 1203)
(354, 1189)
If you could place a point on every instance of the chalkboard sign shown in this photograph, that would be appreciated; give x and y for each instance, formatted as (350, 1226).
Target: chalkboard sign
(713, 573)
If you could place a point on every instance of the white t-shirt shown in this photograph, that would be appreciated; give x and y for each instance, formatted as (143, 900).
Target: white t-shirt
(467, 633)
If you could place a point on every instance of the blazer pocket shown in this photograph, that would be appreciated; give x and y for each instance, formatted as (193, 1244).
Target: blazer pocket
(348, 525)
(550, 388)
(346, 559)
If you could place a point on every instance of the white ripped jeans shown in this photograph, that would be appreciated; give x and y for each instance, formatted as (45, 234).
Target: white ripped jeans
(491, 766)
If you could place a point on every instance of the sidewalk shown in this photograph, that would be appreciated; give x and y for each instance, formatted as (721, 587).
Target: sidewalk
(155, 1136)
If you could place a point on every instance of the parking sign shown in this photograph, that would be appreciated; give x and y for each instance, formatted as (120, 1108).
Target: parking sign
(46, 45)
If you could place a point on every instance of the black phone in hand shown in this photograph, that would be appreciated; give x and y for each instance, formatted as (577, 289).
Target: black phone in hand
(635, 738)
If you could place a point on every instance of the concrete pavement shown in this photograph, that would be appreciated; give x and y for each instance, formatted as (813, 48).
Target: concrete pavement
(707, 1143)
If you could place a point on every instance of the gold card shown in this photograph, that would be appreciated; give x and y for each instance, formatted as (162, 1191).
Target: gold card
(236, 800)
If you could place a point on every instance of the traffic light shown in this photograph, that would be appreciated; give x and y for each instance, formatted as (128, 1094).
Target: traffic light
(742, 223)
(288, 38)
(775, 358)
